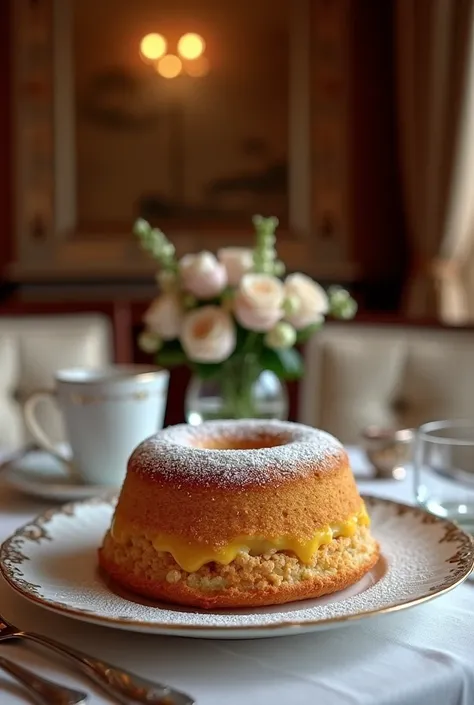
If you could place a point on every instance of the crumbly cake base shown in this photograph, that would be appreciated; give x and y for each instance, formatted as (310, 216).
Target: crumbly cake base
(273, 578)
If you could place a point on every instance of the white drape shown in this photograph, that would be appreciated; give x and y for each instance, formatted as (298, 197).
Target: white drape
(435, 71)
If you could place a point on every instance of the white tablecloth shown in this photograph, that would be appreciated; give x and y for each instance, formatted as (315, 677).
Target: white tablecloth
(424, 656)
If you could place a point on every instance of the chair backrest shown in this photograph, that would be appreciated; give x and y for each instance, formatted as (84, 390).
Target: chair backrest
(32, 348)
(361, 374)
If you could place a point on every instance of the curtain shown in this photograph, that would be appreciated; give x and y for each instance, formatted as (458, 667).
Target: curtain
(435, 83)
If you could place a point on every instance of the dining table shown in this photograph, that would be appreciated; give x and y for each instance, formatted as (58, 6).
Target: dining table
(419, 656)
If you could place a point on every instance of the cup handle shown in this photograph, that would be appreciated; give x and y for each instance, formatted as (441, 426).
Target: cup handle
(38, 433)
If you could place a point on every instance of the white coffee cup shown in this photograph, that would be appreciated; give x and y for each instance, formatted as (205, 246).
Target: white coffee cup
(107, 412)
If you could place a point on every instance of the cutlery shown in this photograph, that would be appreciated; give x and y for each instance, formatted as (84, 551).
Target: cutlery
(125, 687)
(43, 691)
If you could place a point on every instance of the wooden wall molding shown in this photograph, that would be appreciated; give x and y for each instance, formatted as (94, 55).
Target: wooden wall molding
(47, 239)
(6, 191)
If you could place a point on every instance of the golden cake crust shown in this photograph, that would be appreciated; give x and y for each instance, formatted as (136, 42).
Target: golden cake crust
(222, 484)
(298, 508)
(309, 485)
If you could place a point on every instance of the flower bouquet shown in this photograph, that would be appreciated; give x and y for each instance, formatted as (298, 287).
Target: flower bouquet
(234, 318)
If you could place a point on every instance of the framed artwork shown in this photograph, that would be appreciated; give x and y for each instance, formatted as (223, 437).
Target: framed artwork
(106, 130)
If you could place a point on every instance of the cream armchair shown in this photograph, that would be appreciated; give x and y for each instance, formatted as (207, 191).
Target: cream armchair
(32, 348)
(397, 376)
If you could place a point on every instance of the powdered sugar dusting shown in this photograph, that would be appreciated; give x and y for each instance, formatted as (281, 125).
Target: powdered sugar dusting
(419, 559)
(172, 453)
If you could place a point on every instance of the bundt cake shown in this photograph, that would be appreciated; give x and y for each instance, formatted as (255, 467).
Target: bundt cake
(238, 513)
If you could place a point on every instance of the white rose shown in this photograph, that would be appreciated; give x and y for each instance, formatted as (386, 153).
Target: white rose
(202, 275)
(308, 301)
(208, 334)
(237, 261)
(258, 302)
(165, 316)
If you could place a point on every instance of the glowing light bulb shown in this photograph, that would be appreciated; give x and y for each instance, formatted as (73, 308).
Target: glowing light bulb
(153, 47)
(169, 66)
(191, 46)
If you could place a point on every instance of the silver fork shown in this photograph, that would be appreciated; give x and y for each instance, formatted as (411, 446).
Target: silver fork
(127, 688)
(43, 691)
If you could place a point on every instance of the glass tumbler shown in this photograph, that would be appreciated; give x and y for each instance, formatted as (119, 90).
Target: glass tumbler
(444, 470)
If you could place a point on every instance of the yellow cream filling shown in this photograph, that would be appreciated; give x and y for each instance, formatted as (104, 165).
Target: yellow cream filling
(192, 556)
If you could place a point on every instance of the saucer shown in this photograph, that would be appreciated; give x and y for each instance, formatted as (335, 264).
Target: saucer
(40, 474)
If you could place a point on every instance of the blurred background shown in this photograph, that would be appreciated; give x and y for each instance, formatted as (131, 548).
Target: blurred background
(350, 120)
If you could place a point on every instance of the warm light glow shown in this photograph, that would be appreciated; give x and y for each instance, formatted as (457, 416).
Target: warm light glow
(153, 47)
(197, 68)
(169, 66)
(191, 46)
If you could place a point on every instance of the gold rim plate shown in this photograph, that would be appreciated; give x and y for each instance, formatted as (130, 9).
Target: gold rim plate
(423, 557)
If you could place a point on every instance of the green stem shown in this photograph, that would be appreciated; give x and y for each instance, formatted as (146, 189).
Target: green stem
(237, 380)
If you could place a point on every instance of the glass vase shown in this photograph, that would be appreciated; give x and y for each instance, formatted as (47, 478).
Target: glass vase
(241, 390)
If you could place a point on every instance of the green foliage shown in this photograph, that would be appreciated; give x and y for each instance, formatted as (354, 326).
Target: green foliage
(264, 254)
(156, 243)
(304, 335)
(207, 371)
(171, 355)
(286, 363)
(341, 303)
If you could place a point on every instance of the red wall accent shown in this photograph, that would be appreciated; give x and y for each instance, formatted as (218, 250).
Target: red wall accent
(6, 190)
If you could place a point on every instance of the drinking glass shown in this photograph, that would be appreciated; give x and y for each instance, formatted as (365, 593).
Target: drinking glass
(444, 470)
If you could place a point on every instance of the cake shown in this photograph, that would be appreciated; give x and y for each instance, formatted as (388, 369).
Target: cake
(238, 513)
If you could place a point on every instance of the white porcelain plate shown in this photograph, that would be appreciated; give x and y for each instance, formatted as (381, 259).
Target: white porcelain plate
(53, 562)
(39, 474)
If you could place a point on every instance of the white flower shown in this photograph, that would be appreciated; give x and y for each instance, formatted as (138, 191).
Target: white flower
(165, 316)
(208, 334)
(308, 302)
(282, 336)
(202, 275)
(237, 261)
(258, 303)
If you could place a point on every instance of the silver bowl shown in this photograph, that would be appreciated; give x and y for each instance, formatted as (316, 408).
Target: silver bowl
(388, 450)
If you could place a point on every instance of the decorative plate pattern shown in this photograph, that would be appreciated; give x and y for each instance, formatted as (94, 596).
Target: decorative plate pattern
(53, 562)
